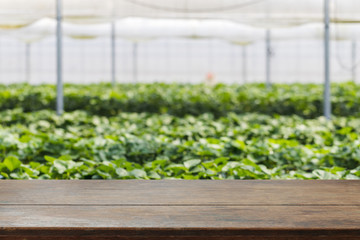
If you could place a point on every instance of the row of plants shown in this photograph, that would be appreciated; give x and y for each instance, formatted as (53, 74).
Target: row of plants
(305, 100)
(78, 145)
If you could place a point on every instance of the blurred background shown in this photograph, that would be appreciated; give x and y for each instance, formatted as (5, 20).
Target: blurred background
(289, 108)
(177, 41)
(171, 60)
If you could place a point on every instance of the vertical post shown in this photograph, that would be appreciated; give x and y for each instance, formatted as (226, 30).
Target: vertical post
(135, 62)
(59, 86)
(27, 62)
(268, 59)
(353, 60)
(327, 93)
(113, 53)
(244, 62)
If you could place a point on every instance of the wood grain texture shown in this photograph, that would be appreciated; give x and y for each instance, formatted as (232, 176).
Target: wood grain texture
(138, 209)
(274, 217)
(142, 192)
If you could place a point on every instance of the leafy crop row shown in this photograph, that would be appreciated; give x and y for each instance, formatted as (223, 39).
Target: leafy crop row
(41, 145)
(180, 100)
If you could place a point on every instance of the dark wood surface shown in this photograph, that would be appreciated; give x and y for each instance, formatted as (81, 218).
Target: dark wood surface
(179, 209)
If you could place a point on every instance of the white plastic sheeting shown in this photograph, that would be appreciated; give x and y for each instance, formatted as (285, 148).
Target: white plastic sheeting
(34, 32)
(339, 32)
(137, 29)
(90, 18)
(262, 13)
(146, 29)
(19, 13)
(88, 11)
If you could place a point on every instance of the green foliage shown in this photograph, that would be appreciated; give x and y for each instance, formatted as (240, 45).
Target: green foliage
(180, 100)
(42, 145)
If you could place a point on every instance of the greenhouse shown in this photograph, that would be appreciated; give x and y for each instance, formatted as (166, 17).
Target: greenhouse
(250, 89)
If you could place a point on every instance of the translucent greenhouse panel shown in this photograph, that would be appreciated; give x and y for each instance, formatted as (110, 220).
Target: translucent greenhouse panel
(262, 13)
(88, 11)
(146, 29)
(345, 11)
(34, 32)
(46, 27)
(19, 13)
(86, 31)
(307, 31)
(345, 31)
(230, 31)
(338, 32)
(138, 29)
(294, 61)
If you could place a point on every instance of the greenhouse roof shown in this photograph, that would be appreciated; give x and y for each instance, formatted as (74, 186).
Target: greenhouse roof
(260, 13)
(140, 29)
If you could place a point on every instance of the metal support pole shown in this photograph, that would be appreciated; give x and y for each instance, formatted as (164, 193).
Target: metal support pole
(244, 62)
(113, 53)
(27, 62)
(135, 62)
(59, 86)
(353, 60)
(327, 93)
(268, 59)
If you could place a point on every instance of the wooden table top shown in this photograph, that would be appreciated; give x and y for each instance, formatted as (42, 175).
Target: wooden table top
(138, 209)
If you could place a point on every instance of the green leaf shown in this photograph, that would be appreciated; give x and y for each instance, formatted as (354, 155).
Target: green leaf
(49, 159)
(121, 172)
(154, 175)
(25, 138)
(230, 165)
(138, 173)
(5, 175)
(19, 175)
(239, 144)
(65, 158)
(12, 163)
(192, 163)
(60, 166)
(324, 175)
(104, 175)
